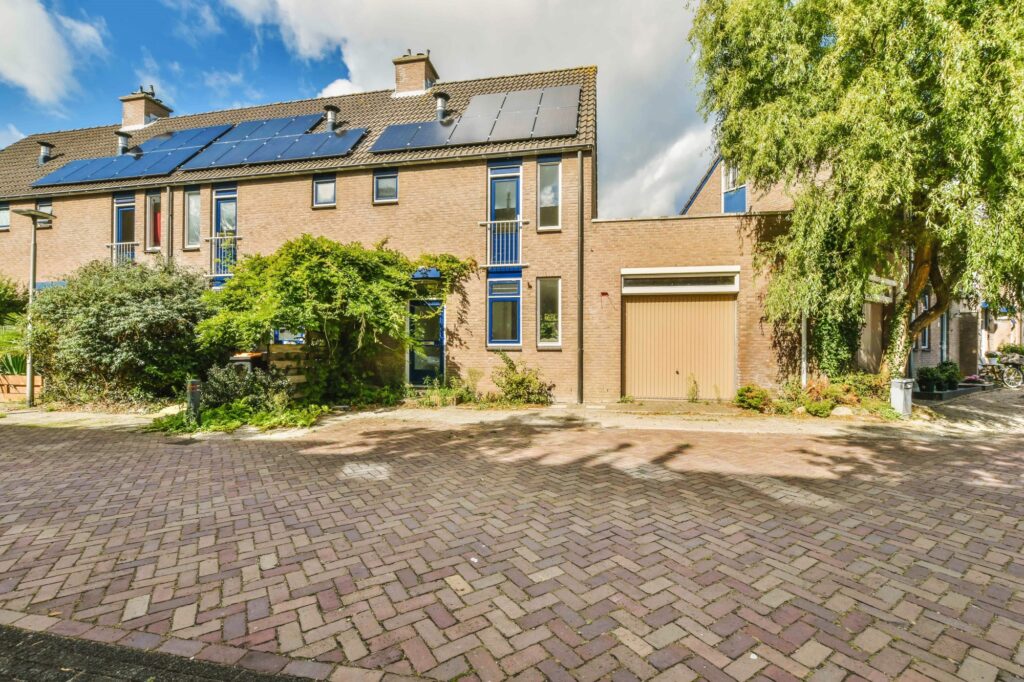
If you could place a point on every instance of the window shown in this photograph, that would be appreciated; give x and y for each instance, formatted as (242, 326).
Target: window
(385, 187)
(734, 194)
(154, 221)
(732, 178)
(549, 194)
(192, 214)
(5, 217)
(924, 339)
(504, 312)
(549, 312)
(46, 206)
(224, 242)
(324, 191)
(944, 337)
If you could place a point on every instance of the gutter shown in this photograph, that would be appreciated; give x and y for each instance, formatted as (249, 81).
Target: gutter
(579, 282)
(306, 172)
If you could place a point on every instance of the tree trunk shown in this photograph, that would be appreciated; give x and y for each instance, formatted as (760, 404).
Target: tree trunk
(907, 324)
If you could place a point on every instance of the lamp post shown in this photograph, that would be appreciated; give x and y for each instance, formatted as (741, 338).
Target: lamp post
(35, 215)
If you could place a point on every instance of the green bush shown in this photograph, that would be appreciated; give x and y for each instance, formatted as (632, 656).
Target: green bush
(13, 299)
(519, 384)
(351, 301)
(865, 385)
(751, 397)
(258, 388)
(1012, 349)
(232, 416)
(452, 391)
(120, 333)
(950, 375)
(819, 408)
(930, 379)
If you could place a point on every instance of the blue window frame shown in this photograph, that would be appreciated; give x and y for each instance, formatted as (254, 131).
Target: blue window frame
(505, 201)
(123, 248)
(505, 311)
(324, 191)
(224, 251)
(385, 186)
(734, 194)
(5, 217)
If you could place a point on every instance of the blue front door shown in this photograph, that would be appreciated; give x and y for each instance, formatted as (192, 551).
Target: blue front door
(504, 220)
(426, 357)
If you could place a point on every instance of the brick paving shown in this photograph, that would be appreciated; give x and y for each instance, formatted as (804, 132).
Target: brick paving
(551, 550)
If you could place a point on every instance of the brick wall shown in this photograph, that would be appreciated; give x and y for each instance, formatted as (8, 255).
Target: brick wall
(439, 210)
(709, 200)
(663, 242)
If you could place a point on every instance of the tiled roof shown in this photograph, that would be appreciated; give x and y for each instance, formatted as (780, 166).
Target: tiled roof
(371, 110)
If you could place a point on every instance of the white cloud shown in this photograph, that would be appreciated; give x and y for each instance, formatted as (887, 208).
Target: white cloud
(342, 86)
(45, 74)
(85, 36)
(223, 79)
(9, 135)
(196, 20)
(646, 95)
(150, 72)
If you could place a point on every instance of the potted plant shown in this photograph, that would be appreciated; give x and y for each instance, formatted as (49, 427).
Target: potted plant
(928, 379)
(949, 374)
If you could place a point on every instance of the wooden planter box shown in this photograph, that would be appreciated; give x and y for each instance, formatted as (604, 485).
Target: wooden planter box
(12, 387)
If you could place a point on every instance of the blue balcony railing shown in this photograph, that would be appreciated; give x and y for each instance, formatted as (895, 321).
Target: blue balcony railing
(223, 256)
(504, 242)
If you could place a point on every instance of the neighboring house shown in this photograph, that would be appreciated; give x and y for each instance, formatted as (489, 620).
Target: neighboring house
(962, 334)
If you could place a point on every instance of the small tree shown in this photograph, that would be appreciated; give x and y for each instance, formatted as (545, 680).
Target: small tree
(896, 126)
(348, 299)
(119, 332)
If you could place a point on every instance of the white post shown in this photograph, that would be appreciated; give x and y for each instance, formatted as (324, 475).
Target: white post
(803, 350)
(30, 389)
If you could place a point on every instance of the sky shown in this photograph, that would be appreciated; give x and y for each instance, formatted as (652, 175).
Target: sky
(653, 146)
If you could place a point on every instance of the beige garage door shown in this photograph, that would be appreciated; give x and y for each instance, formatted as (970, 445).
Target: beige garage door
(672, 343)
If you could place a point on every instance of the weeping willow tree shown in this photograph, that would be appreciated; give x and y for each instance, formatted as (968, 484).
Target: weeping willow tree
(897, 126)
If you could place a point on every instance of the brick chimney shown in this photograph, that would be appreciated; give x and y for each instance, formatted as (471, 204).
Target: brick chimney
(413, 73)
(142, 107)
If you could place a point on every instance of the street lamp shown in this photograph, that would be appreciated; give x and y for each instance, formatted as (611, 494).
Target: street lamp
(35, 215)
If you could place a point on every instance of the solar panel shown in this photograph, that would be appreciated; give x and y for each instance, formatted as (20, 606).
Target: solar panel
(471, 130)
(395, 137)
(340, 144)
(513, 125)
(182, 139)
(486, 106)
(264, 130)
(564, 96)
(522, 100)
(556, 122)
(431, 134)
(57, 177)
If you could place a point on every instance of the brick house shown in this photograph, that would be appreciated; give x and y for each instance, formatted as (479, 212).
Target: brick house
(501, 170)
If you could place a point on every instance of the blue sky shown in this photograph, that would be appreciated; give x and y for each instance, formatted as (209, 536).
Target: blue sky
(202, 56)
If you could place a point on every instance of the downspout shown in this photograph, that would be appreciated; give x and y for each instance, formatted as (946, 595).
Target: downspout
(170, 223)
(579, 282)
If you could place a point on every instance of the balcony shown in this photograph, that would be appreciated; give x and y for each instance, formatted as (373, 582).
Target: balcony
(504, 243)
(223, 256)
(122, 253)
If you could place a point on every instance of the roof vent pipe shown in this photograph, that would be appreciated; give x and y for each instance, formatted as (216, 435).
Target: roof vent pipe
(332, 116)
(122, 142)
(45, 152)
(442, 105)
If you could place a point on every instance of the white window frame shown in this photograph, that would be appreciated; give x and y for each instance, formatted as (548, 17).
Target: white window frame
(398, 187)
(550, 228)
(186, 245)
(925, 336)
(558, 342)
(147, 207)
(46, 206)
(677, 271)
(333, 180)
(498, 345)
(5, 212)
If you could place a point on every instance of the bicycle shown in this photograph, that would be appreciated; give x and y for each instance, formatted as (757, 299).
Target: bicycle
(1005, 370)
